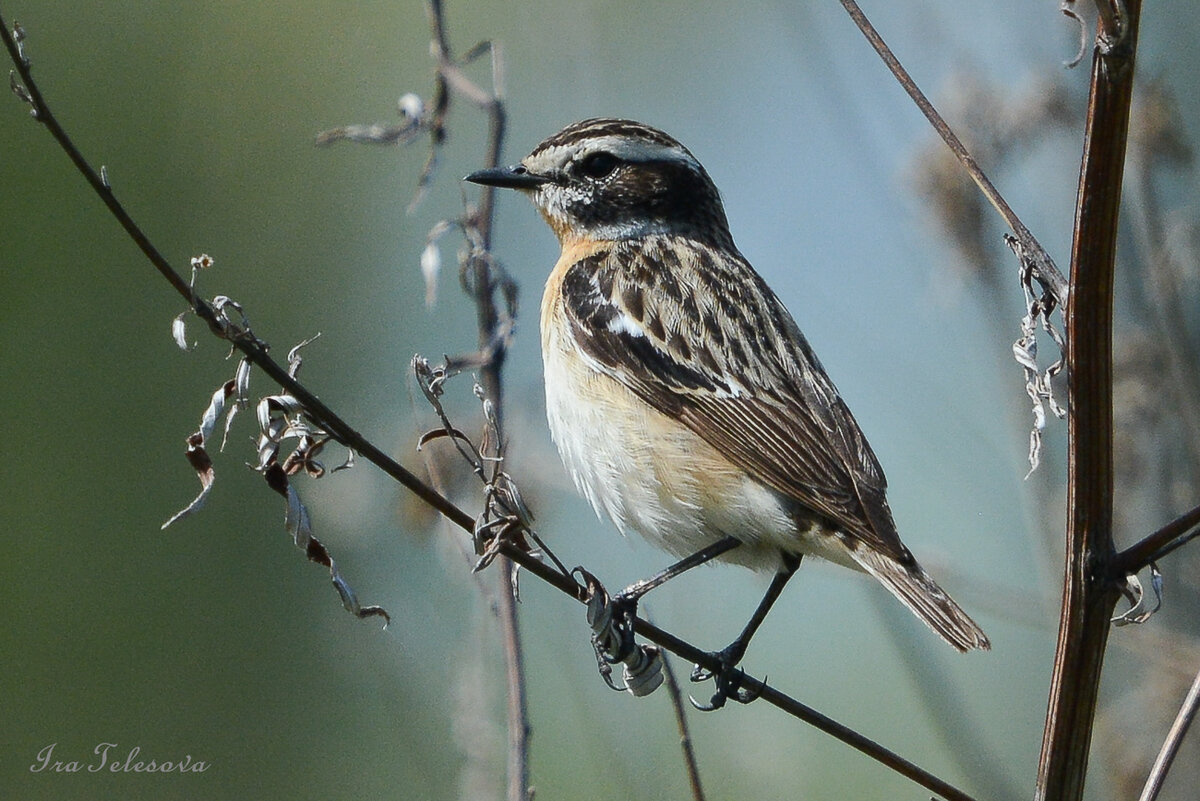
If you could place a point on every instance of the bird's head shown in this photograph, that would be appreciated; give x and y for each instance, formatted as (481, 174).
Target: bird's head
(613, 179)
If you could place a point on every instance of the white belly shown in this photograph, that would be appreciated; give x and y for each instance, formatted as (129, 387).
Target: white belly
(651, 475)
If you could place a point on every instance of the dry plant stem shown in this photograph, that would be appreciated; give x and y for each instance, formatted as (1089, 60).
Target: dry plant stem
(1047, 274)
(450, 75)
(344, 433)
(1170, 747)
(1154, 547)
(519, 729)
(685, 736)
(484, 285)
(1090, 591)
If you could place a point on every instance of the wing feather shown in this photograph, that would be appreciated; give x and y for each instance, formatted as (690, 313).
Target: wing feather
(699, 336)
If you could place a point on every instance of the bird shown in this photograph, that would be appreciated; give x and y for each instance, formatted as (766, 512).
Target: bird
(683, 398)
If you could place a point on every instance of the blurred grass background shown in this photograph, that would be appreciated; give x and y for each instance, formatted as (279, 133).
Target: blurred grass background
(217, 639)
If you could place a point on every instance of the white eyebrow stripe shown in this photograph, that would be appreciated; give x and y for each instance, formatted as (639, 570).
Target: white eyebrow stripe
(623, 147)
(632, 149)
(552, 158)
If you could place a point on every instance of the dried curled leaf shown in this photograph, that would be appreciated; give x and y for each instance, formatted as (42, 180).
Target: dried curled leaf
(241, 383)
(179, 332)
(1067, 7)
(298, 523)
(18, 35)
(431, 265)
(294, 359)
(18, 89)
(1038, 383)
(642, 671)
(411, 105)
(438, 433)
(280, 418)
(1133, 591)
(196, 453)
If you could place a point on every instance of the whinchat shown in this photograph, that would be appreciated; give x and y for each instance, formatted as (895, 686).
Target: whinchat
(684, 401)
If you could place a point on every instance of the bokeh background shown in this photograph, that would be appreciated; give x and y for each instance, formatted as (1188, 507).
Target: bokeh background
(216, 638)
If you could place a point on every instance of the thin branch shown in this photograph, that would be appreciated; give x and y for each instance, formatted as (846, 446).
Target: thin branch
(1170, 746)
(484, 284)
(519, 729)
(685, 735)
(803, 712)
(256, 351)
(1178, 532)
(1046, 273)
(483, 288)
(764, 691)
(1090, 592)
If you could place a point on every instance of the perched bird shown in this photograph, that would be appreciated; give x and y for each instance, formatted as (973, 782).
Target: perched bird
(684, 401)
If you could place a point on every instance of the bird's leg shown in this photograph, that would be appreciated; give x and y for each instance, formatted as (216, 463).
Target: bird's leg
(623, 606)
(635, 591)
(612, 619)
(728, 677)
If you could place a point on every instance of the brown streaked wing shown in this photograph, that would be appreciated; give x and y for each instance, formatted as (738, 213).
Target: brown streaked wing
(763, 400)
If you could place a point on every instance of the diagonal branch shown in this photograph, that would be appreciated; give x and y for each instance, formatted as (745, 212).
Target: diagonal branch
(1044, 270)
(1178, 532)
(803, 712)
(1170, 747)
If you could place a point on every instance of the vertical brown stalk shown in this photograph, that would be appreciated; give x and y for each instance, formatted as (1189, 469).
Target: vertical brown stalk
(483, 290)
(1090, 586)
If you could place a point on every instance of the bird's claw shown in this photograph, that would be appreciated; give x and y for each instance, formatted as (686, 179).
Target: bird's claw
(729, 680)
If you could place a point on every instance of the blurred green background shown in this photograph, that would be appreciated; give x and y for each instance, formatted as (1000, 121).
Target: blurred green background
(216, 638)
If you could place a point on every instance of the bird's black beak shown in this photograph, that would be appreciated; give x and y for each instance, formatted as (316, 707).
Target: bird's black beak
(515, 177)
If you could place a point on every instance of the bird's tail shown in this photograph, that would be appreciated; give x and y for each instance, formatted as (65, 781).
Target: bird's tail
(921, 594)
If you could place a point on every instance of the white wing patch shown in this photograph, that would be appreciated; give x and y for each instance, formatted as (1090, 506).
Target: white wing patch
(624, 324)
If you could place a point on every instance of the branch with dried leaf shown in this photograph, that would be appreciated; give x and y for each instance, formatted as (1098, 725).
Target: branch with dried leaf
(1096, 575)
(1035, 263)
(482, 277)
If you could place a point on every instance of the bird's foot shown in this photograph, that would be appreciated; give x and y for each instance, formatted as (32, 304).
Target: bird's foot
(729, 678)
(612, 621)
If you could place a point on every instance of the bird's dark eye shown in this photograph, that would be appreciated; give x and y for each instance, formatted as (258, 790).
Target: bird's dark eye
(598, 165)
